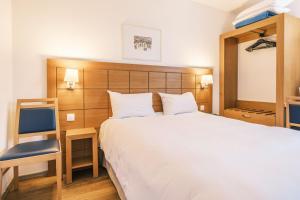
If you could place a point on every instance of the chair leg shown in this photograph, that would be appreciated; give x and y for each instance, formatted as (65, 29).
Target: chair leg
(16, 177)
(59, 176)
(0, 184)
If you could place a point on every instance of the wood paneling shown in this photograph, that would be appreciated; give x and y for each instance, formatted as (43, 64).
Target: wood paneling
(78, 123)
(202, 95)
(138, 79)
(174, 91)
(118, 79)
(173, 80)
(198, 81)
(96, 79)
(140, 90)
(157, 80)
(95, 98)
(94, 117)
(70, 99)
(207, 107)
(61, 76)
(188, 81)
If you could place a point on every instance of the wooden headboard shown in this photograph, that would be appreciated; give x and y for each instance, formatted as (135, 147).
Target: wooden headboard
(89, 101)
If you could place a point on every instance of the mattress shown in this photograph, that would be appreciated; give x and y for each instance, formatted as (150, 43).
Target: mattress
(259, 17)
(202, 156)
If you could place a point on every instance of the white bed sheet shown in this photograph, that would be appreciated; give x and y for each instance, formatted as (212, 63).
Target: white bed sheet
(201, 156)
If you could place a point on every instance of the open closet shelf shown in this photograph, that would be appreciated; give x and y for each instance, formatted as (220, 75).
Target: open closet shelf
(251, 111)
(251, 115)
(252, 31)
(287, 31)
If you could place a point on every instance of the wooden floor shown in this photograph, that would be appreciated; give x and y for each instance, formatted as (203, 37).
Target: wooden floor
(84, 187)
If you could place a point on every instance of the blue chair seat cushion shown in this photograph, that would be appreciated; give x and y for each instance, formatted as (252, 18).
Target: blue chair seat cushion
(29, 149)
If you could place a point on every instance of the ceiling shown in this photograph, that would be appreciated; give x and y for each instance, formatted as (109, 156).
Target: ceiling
(227, 5)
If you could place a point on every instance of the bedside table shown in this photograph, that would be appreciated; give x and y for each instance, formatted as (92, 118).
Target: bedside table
(80, 134)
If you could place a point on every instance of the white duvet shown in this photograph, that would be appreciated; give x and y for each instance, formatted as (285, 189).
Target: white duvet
(201, 156)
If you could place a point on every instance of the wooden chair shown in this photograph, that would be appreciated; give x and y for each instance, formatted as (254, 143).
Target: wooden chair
(34, 117)
(293, 112)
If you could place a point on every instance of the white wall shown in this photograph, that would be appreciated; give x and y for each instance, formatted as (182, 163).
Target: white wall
(257, 73)
(6, 81)
(295, 8)
(91, 29)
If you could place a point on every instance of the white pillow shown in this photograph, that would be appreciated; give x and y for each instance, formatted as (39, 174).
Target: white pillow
(175, 104)
(131, 105)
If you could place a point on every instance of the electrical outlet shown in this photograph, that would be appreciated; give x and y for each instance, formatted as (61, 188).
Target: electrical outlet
(70, 117)
(202, 107)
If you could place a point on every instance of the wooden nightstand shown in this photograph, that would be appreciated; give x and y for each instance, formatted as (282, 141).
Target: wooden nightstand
(79, 134)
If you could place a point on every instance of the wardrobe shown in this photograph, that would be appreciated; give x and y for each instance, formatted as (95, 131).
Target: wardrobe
(286, 29)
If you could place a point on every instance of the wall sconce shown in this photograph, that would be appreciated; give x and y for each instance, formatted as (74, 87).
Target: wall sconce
(71, 77)
(206, 80)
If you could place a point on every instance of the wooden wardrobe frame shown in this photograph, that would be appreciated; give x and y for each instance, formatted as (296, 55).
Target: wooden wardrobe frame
(287, 30)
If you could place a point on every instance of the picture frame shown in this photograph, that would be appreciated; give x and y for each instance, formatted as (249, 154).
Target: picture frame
(141, 43)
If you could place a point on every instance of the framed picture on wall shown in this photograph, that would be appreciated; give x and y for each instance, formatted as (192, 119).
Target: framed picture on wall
(141, 43)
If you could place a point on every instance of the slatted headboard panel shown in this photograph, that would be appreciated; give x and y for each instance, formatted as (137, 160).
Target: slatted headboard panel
(90, 101)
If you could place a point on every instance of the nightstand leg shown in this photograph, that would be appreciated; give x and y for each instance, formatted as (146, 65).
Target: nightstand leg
(69, 160)
(95, 156)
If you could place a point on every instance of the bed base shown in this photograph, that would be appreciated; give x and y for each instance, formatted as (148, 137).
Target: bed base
(114, 179)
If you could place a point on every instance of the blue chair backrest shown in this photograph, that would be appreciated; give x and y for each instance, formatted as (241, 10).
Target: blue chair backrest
(294, 115)
(34, 120)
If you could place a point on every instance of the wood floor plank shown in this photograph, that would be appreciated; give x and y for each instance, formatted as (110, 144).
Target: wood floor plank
(84, 187)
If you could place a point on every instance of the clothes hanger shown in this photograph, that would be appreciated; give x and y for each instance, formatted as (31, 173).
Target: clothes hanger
(261, 43)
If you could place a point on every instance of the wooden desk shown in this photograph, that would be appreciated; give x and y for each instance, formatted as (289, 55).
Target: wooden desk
(79, 134)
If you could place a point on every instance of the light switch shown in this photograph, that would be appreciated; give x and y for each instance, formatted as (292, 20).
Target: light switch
(202, 107)
(70, 117)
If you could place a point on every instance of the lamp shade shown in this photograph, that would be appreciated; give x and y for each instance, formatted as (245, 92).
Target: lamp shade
(71, 75)
(207, 79)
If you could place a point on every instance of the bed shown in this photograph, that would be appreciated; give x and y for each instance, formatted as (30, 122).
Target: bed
(200, 156)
